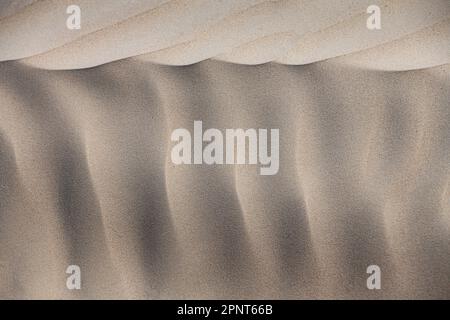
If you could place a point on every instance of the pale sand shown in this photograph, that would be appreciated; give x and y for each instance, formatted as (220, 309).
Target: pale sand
(87, 179)
(415, 33)
(86, 176)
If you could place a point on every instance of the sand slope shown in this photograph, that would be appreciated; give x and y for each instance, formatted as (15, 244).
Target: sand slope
(87, 179)
(415, 34)
(85, 170)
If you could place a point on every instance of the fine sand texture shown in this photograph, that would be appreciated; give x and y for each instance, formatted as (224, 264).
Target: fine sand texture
(86, 176)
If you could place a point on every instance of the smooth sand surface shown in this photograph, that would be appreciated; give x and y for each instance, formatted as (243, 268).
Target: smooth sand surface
(183, 32)
(86, 176)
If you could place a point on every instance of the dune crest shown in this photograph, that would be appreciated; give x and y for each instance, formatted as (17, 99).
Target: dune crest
(182, 32)
(359, 156)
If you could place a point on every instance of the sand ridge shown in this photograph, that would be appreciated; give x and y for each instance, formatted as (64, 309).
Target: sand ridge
(415, 34)
(86, 176)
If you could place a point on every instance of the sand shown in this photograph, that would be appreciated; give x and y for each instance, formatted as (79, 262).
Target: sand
(86, 176)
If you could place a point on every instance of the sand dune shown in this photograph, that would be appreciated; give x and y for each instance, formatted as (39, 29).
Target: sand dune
(363, 179)
(86, 176)
(181, 32)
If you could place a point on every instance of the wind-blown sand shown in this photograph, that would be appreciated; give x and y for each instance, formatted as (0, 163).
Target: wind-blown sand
(86, 176)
